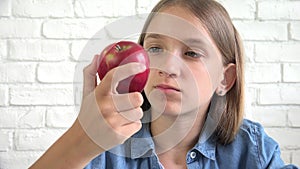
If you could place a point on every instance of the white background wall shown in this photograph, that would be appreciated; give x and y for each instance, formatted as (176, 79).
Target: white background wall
(40, 42)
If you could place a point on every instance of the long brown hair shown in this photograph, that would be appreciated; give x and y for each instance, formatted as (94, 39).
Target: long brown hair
(218, 24)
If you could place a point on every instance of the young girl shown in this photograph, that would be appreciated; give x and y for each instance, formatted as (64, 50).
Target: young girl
(192, 105)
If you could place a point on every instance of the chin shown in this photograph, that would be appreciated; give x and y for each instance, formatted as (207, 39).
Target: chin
(172, 111)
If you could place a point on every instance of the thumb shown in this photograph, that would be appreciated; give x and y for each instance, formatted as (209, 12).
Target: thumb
(111, 80)
(89, 76)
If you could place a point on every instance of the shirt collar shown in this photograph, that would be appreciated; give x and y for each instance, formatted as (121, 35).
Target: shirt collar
(208, 148)
(142, 144)
(207, 141)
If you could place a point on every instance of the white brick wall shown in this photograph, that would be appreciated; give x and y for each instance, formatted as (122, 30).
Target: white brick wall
(100, 8)
(40, 50)
(41, 95)
(5, 6)
(20, 28)
(281, 10)
(240, 9)
(295, 31)
(72, 28)
(38, 9)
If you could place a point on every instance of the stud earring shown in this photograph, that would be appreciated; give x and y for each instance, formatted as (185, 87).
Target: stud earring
(220, 93)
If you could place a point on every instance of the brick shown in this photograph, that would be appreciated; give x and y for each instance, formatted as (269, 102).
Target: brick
(20, 28)
(22, 117)
(5, 7)
(5, 140)
(260, 73)
(78, 75)
(279, 94)
(62, 72)
(277, 52)
(250, 100)
(8, 117)
(262, 31)
(77, 48)
(72, 28)
(3, 96)
(31, 117)
(145, 6)
(270, 116)
(86, 50)
(295, 30)
(112, 8)
(58, 117)
(42, 95)
(17, 72)
(51, 8)
(38, 50)
(286, 137)
(38, 139)
(296, 158)
(133, 28)
(251, 92)
(294, 117)
(278, 10)
(249, 52)
(3, 49)
(240, 9)
(18, 159)
(291, 72)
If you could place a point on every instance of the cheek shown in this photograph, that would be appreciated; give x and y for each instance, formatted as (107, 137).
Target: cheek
(204, 84)
(149, 83)
(210, 73)
(201, 83)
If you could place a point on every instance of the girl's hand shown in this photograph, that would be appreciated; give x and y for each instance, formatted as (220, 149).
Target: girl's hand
(107, 117)
(105, 120)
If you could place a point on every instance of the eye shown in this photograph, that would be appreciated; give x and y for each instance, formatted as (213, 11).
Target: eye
(193, 54)
(155, 50)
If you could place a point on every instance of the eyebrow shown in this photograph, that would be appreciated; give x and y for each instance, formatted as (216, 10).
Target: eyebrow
(153, 35)
(188, 41)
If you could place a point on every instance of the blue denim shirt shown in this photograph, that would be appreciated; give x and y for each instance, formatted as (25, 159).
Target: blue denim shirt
(251, 148)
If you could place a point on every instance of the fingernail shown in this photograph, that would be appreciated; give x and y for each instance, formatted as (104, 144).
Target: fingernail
(141, 67)
(96, 60)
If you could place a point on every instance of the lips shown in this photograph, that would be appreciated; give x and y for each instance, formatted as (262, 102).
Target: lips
(166, 87)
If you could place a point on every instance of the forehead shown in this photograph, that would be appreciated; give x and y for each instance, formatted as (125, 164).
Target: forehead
(180, 24)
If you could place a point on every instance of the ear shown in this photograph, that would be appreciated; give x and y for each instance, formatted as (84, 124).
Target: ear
(229, 77)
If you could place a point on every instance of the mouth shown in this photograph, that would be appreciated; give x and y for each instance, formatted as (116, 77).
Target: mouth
(166, 87)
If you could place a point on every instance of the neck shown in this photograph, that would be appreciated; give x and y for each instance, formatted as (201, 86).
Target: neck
(177, 133)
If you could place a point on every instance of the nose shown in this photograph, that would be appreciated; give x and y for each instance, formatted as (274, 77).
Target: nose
(165, 74)
(170, 65)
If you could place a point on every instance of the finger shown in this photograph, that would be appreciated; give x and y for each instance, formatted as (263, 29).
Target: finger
(131, 128)
(90, 79)
(132, 115)
(117, 120)
(124, 132)
(119, 103)
(124, 102)
(115, 75)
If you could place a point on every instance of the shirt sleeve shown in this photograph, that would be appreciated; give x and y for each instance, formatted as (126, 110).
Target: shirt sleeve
(269, 152)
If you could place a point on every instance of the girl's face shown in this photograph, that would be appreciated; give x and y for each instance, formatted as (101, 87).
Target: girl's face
(186, 67)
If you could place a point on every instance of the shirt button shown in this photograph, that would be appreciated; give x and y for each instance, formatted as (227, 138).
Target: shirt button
(193, 154)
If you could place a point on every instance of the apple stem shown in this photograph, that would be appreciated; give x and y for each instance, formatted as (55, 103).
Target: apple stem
(118, 48)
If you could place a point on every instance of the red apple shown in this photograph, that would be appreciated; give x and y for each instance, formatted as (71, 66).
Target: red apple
(121, 53)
